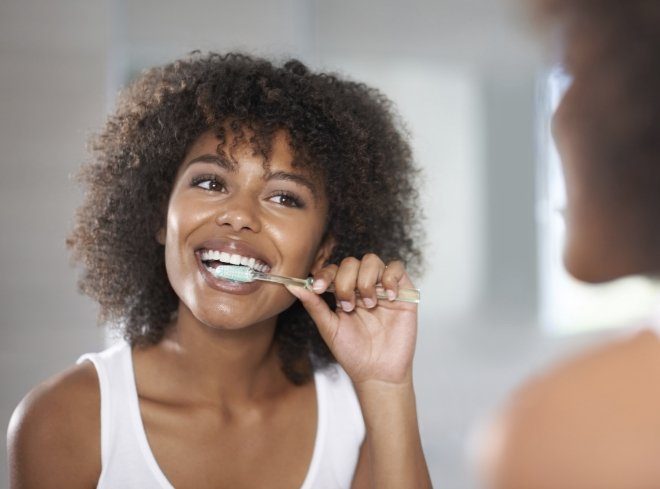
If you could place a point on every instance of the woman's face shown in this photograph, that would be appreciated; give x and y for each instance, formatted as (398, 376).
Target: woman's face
(603, 224)
(239, 208)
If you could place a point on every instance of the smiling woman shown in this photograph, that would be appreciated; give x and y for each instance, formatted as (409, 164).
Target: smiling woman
(230, 159)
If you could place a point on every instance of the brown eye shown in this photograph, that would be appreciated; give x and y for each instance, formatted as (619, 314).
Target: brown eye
(287, 200)
(208, 182)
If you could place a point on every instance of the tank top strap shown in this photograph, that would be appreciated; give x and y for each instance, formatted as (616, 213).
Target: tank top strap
(340, 431)
(126, 458)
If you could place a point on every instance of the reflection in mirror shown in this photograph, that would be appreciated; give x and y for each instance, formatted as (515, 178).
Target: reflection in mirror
(567, 305)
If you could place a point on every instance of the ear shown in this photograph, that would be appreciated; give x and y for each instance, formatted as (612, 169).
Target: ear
(324, 252)
(161, 235)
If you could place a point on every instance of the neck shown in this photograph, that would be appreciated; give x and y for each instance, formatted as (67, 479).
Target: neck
(220, 365)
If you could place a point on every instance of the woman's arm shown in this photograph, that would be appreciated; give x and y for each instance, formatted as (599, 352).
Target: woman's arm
(53, 439)
(374, 341)
(393, 450)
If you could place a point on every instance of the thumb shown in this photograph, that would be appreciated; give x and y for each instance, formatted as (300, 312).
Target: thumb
(326, 320)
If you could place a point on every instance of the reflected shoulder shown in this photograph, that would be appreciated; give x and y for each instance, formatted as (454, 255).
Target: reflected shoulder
(592, 421)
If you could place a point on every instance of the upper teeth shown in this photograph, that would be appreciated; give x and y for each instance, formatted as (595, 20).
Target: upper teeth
(234, 259)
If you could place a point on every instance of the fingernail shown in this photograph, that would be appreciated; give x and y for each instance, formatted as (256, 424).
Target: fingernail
(391, 295)
(318, 285)
(346, 306)
(369, 302)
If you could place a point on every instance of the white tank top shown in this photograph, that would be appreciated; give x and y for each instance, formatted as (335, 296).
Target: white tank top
(128, 462)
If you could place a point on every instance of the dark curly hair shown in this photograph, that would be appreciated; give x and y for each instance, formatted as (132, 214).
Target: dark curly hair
(345, 132)
(612, 49)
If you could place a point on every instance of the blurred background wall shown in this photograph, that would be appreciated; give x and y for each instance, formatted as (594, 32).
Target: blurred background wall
(464, 74)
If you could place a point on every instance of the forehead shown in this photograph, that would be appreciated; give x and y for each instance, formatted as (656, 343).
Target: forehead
(279, 156)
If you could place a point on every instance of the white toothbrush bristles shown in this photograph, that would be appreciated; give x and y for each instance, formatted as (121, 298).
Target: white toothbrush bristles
(235, 273)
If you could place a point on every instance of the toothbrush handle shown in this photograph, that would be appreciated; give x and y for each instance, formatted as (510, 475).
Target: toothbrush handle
(405, 295)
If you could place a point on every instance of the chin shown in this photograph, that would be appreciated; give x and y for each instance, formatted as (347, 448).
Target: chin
(232, 315)
(587, 269)
(220, 317)
(596, 266)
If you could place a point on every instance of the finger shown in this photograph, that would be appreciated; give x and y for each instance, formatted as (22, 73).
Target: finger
(370, 273)
(321, 314)
(345, 282)
(392, 276)
(323, 278)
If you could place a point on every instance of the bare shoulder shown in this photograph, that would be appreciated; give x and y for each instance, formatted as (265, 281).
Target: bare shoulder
(54, 434)
(593, 421)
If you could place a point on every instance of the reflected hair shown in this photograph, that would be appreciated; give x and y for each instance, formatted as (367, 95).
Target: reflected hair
(610, 48)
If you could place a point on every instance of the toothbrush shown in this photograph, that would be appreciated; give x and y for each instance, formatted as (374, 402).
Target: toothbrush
(238, 273)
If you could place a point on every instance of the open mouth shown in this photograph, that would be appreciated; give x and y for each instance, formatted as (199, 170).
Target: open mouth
(213, 258)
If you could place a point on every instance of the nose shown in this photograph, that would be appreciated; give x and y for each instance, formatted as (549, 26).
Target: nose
(240, 213)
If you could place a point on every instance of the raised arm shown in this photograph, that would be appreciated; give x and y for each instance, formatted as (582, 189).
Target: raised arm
(374, 341)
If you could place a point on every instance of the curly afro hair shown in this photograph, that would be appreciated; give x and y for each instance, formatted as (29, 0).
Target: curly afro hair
(611, 50)
(345, 132)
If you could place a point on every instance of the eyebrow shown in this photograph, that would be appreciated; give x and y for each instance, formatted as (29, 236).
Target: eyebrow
(293, 177)
(221, 161)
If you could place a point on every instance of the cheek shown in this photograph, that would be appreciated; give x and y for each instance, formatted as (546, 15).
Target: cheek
(298, 245)
(182, 219)
(570, 141)
(183, 216)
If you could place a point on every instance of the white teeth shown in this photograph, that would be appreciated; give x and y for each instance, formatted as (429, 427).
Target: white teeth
(234, 259)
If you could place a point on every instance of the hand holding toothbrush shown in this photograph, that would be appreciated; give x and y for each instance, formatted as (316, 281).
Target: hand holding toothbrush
(373, 340)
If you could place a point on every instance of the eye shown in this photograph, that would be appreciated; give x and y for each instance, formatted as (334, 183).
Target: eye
(287, 200)
(208, 182)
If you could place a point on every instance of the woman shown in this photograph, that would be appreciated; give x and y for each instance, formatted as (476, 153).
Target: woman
(230, 159)
(594, 422)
